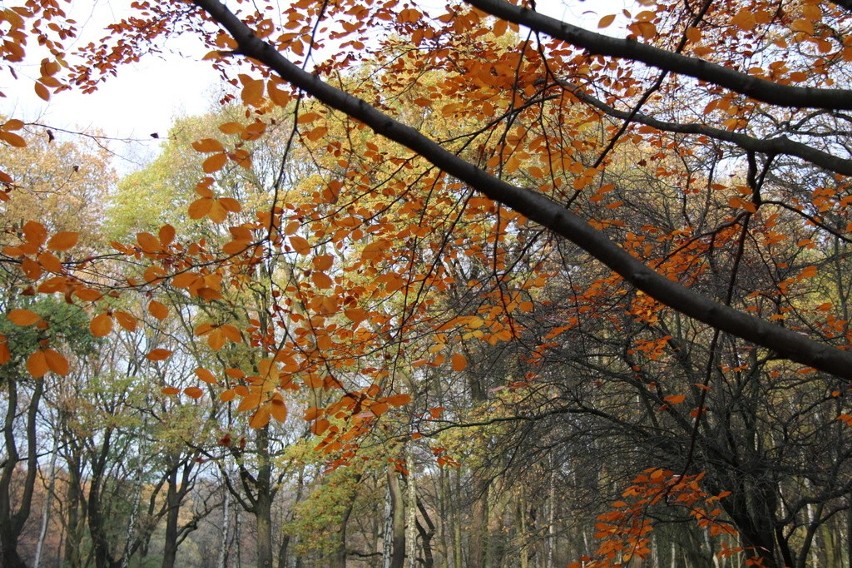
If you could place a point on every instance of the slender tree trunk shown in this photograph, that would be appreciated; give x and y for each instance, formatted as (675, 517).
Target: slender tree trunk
(226, 525)
(397, 559)
(426, 535)
(387, 540)
(45, 511)
(411, 510)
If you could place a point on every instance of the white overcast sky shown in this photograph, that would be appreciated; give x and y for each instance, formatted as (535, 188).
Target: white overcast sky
(146, 97)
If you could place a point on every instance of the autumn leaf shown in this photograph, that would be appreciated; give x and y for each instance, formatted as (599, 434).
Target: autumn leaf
(23, 317)
(193, 392)
(458, 362)
(606, 21)
(101, 325)
(398, 399)
(205, 376)
(158, 310)
(56, 362)
(158, 354)
(37, 365)
(63, 241)
(300, 244)
(675, 398)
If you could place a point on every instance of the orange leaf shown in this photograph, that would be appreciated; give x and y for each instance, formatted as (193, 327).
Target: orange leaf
(205, 376)
(101, 325)
(207, 145)
(379, 408)
(398, 399)
(5, 354)
(169, 391)
(37, 364)
(320, 426)
(227, 396)
(158, 310)
(200, 207)
(214, 163)
(23, 317)
(35, 233)
(158, 355)
(148, 242)
(12, 139)
(63, 240)
(674, 398)
(56, 362)
(300, 244)
(278, 410)
(166, 234)
(125, 320)
(50, 262)
(606, 21)
(41, 91)
(260, 418)
(193, 392)
(459, 362)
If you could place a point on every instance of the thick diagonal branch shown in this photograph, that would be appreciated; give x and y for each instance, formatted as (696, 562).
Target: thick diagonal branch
(542, 210)
(599, 44)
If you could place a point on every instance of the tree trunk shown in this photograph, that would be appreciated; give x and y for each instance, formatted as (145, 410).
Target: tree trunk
(45, 512)
(12, 522)
(173, 510)
(411, 510)
(397, 559)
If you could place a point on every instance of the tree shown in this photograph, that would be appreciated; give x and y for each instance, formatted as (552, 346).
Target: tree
(727, 254)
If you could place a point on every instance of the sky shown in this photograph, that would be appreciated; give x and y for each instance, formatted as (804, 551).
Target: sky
(146, 97)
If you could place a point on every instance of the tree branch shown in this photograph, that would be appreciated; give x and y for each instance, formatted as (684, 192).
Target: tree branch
(598, 44)
(543, 210)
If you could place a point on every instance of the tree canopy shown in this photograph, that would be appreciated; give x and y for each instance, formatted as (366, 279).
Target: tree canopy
(633, 234)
